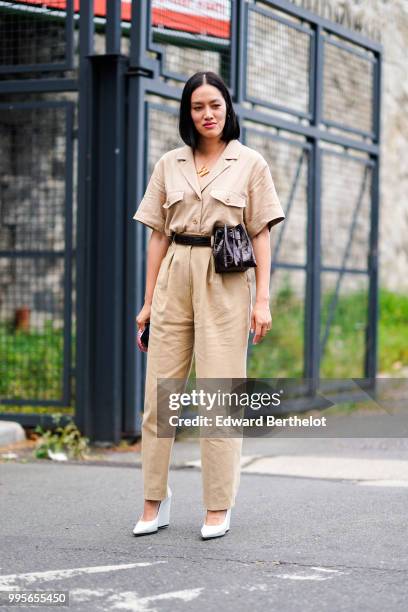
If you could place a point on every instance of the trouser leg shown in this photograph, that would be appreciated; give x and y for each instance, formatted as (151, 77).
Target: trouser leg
(169, 355)
(222, 308)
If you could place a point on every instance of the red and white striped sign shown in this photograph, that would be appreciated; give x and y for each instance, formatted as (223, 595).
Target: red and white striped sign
(207, 17)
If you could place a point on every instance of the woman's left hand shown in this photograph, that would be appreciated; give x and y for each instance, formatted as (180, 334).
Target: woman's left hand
(261, 320)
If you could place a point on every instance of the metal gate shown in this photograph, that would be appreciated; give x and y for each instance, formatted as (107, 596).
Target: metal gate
(38, 104)
(307, 93)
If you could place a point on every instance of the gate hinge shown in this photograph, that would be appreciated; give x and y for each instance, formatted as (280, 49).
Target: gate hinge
(139, 71)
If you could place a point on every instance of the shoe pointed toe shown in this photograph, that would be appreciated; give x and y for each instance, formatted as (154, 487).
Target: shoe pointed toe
(215, 531)
(144, 527)
(162, 518)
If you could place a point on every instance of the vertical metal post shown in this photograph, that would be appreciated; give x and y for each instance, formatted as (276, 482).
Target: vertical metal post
(113, 30)
(140, 31)
(69, 163)
(137, 161)
(108, 257)
(84, 247)
(312, 302)
(371, 356)
(101, 223)
(238, 37)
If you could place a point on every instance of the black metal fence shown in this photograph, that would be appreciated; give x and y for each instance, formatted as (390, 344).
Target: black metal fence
(85, 113)
(38, 112)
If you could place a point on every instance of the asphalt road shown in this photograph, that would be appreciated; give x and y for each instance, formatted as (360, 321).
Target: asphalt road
(295, 543)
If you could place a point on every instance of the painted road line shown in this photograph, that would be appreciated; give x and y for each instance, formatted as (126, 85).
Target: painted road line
(63, 574)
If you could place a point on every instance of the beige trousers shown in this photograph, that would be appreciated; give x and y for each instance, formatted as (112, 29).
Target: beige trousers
(195, 311)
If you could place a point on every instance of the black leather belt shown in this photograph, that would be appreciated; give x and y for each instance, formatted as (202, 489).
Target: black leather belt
(191, 239)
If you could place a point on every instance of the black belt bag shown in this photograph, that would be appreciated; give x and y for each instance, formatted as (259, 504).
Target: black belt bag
(232, 249)
(231, 246)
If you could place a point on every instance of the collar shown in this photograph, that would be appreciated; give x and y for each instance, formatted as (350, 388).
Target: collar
(186, 162)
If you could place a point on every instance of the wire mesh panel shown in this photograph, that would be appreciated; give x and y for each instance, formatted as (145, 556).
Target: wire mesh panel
(33, 171)
(32, 329)
(288, 162)
(35, 252)
(343, 325)
(346, 202)
(348, 83)
(280, 353)
(36, 35)
(345, 211)
(278, 53)
(38, 57)
(161, 120)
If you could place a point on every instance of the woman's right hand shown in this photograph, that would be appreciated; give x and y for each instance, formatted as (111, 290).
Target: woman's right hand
(143, 317)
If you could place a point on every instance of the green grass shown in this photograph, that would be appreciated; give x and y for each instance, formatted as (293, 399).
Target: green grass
(280, 354)
(393, 331)
(31, 362)
(31, 366)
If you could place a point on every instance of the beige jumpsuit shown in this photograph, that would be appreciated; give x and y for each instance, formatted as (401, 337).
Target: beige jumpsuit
(195, 310)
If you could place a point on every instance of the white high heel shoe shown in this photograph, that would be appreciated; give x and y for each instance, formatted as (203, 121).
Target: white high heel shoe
(214, 531)
(162, 518)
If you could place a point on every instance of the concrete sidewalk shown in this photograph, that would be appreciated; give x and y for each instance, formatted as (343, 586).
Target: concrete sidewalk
(364, 461)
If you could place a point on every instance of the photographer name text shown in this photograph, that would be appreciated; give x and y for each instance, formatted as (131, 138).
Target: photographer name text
(259, 421)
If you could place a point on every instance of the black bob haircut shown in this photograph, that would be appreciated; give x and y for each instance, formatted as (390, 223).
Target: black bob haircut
(187, 129)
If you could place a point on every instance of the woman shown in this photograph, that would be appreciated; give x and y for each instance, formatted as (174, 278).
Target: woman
(214, 179)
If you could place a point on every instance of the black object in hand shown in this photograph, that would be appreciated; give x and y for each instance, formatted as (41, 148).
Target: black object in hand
(144, 338)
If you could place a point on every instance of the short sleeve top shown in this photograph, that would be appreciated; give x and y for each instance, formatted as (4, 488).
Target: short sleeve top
(238, 189)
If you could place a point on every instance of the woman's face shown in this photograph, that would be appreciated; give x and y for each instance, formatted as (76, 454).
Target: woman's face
(208, 107)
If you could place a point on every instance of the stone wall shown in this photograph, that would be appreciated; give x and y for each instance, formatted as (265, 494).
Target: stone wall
(387, 22)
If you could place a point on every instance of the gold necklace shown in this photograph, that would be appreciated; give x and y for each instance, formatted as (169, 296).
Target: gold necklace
(204, 170)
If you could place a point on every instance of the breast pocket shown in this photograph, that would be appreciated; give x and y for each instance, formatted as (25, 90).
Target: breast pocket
(173, 197)
(229, 206)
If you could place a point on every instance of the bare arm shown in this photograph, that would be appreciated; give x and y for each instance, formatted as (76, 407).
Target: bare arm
(156, 250)
(262, 212)
(261, 319)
